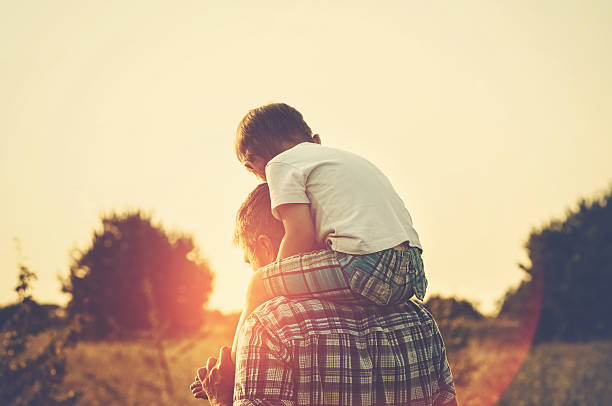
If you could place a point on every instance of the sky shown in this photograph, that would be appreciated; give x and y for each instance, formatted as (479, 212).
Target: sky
(490, 118)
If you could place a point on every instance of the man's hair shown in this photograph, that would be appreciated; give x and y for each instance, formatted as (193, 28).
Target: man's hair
(263, 130)
(255, 218)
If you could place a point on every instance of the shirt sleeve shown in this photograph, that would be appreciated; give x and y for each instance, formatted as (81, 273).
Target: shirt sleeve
(446, 384)
(263, 371)
(287, 185)
(259, 402)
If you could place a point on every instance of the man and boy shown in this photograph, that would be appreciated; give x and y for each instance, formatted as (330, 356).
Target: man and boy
(337, 326)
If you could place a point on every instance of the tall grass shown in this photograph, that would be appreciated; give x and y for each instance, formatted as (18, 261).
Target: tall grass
(126, 373)
(493, 368)
(562, 374)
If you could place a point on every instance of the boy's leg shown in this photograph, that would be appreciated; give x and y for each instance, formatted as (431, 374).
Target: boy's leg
(386, 277)
(315, 274)
(416, 271)
(409, 279)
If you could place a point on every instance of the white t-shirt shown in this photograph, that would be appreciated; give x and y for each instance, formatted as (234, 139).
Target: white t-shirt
(354, 206)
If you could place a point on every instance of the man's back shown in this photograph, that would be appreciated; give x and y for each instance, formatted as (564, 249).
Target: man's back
(311, 352)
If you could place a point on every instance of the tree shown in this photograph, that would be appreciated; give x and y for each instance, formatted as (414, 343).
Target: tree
(450, 308)
(453, 317)
(135, 274)
(570, 275)
(32, 377)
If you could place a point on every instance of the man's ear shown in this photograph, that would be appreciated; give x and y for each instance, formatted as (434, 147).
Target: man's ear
(316, 139)
(264, 250)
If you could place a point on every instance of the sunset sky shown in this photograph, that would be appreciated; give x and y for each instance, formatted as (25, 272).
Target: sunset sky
(489, 118)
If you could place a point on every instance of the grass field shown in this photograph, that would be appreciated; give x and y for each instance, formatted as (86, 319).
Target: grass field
(128, 373)
(561, 374)
(488, 371)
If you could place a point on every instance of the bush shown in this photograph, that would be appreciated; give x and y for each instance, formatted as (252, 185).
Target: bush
(450, 308)
(135, 275)
(570, 275)
(455, 318)
(31, 376)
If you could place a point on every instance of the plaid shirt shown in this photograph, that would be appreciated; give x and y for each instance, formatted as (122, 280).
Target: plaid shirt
(314, 352)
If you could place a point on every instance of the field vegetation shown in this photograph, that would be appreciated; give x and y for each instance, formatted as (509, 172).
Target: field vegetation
(494, 365)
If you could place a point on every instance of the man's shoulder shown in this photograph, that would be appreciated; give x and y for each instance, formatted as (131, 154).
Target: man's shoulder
(293, 318)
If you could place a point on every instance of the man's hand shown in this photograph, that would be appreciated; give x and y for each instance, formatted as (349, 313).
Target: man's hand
(216, 380)
(196, 387)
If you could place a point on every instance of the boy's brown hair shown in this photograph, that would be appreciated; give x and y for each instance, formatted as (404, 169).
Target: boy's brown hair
(264, 129)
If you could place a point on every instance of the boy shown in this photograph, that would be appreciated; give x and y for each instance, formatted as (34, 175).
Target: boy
(348, 235)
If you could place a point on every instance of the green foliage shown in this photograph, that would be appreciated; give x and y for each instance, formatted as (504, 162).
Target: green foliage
(570, 275)
(108, 281)
(29, 377)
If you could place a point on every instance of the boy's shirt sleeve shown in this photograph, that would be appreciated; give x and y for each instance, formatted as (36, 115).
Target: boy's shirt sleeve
(287, 185)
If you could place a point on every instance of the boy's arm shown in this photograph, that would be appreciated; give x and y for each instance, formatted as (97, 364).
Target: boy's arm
(300, 234)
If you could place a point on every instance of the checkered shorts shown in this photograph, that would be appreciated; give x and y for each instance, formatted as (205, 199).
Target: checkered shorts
(385, 277)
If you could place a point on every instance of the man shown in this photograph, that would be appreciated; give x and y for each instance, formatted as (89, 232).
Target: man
(303, 351)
